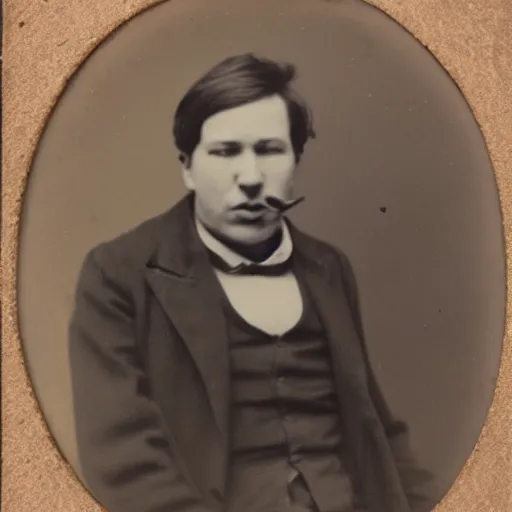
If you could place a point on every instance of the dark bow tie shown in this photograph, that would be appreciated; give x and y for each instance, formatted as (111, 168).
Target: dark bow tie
(249, 269)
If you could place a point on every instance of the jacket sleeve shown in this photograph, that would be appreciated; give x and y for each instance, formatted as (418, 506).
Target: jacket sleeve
(122, 438)
(417, 481)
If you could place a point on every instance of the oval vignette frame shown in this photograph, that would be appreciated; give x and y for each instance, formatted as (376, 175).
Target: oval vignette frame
(118, 23)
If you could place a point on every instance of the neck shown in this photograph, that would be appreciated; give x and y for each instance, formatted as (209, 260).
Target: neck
(256, 252)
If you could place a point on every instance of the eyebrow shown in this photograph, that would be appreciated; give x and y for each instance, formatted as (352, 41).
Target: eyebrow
(234, 143)
(271, 141)
(229, 143)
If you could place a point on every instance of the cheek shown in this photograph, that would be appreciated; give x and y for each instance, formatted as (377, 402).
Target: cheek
(210, 175)
(280, 170)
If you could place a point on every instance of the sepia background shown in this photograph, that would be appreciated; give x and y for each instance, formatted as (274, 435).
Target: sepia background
(453, 204)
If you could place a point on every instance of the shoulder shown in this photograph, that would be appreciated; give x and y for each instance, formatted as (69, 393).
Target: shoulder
(129, 251)
(331, 257)
(320, 249)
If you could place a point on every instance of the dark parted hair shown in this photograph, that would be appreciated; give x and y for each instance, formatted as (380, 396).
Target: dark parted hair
(231, 83)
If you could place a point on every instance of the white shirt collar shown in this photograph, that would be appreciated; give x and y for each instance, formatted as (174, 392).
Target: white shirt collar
(233, 259)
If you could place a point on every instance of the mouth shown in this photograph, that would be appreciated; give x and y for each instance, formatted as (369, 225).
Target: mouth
(248, 207)
(254, 212)
(251, 215)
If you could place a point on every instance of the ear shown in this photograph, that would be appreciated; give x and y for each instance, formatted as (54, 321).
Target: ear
(298, 167)
(295, 177)
(187, 179)
(186, 173)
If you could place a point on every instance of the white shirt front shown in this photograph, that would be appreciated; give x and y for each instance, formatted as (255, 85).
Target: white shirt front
(273, 304)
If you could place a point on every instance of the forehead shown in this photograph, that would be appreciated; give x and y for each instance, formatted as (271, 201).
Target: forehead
(263, 119)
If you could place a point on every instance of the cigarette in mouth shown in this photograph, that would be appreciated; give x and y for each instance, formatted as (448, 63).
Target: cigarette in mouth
(280, 205)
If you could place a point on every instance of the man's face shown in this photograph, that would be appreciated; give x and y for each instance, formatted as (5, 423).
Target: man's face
(244, 154)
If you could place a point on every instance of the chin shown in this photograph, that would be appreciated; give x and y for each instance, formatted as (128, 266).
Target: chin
(250, 234)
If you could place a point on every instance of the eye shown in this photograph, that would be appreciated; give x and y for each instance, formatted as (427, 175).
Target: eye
(225, 152)
(269, 150)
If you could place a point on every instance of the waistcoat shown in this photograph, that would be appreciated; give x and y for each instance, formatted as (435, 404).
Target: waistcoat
(286, 445)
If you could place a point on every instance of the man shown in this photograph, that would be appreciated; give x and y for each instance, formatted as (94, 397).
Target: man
(217, 352)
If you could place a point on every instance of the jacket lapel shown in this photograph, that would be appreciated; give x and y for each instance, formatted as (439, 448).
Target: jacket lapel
(319, 270)
(184, 283)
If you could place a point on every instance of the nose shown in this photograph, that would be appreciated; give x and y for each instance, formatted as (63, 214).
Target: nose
(249, 178)
(251, 190)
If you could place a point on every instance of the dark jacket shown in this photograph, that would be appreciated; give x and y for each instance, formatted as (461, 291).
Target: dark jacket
(150, 371)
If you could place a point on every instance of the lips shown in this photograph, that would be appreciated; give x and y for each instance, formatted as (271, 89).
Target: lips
(270, 204)
(252, 213)
(251, 208)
